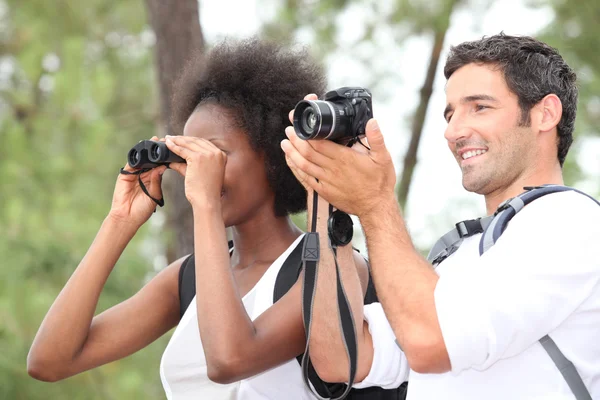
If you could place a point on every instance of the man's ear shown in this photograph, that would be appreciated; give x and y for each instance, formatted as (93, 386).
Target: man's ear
(549, 112)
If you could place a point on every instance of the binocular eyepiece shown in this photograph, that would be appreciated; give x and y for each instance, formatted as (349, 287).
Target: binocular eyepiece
(151, 154)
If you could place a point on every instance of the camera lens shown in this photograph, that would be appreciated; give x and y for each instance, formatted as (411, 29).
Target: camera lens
(314, 119)
(309, 120)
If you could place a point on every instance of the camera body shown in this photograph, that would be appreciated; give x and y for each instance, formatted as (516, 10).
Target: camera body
(341, 116)
(151, 154)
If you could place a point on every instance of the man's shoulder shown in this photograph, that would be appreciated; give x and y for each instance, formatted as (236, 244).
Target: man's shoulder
(562, 207)
(565, 222)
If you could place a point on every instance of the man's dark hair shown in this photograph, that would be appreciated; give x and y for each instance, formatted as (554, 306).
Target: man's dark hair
(259, 82)
(532, 70)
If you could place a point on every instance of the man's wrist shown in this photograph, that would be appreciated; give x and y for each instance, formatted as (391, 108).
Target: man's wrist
(384, 206)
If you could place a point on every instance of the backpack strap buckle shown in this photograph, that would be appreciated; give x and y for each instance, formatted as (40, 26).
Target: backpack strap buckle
(469, 227)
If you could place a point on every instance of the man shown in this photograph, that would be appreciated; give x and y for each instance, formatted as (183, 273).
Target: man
(469, 329)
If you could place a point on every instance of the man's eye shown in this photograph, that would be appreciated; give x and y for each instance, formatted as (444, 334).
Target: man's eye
(448, 118)
(479, 107)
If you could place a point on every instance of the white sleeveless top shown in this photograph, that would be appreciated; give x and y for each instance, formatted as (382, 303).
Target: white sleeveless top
(183, 367)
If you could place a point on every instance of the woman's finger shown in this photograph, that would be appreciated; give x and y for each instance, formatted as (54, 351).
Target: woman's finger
(156, 181)
(182, 151)
(180, 168)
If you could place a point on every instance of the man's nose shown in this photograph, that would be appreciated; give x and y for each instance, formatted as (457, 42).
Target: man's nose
(457, 130)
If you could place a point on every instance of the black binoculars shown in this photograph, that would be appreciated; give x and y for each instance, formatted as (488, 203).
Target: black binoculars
(151, 154)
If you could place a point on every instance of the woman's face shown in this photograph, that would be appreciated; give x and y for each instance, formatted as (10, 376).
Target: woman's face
(246, 190)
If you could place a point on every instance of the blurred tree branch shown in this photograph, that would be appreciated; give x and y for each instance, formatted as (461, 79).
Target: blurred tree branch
(176, 24)
(410, 159)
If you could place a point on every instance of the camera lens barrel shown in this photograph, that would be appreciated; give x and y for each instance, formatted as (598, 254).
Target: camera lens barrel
(340, 117)
(314, 119)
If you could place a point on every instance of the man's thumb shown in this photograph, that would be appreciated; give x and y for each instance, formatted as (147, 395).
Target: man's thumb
(374, 136)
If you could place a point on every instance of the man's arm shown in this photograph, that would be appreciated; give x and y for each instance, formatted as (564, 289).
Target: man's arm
(363, 184)
(405, 284)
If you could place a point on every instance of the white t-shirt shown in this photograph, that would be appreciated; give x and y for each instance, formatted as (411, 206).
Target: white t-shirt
(183, 367)
(541, 277)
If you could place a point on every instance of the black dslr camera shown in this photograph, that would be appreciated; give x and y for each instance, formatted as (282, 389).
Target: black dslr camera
(341, 116)
(151, 154)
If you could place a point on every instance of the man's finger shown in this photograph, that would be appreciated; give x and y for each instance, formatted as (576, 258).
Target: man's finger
(306, 180)
(300, 162)
(311, 96)
(323, 150)
(375, 137)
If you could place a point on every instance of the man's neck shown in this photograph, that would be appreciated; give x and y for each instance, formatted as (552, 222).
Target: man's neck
(549, 176)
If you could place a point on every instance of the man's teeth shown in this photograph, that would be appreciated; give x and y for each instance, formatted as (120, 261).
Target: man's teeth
(473, 153)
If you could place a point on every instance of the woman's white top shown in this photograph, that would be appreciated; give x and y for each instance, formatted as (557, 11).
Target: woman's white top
(183, 366)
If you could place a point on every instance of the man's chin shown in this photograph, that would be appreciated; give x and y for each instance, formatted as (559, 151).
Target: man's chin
(478, 186)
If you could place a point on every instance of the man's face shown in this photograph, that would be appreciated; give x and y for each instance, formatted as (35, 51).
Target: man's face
(484, 133)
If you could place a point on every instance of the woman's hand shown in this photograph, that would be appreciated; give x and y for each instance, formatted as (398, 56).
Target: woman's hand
(130, 204)
(204, 169)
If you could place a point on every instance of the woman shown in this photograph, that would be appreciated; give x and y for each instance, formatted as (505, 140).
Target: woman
(232, 107)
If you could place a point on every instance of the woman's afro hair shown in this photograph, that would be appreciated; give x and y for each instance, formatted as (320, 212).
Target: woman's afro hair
(260, 82)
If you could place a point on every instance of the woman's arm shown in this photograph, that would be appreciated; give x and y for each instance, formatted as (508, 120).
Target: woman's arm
(235, 346)
(71, 340)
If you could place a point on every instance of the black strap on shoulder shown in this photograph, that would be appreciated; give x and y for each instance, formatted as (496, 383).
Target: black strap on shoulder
(187, 282)
(289, 272)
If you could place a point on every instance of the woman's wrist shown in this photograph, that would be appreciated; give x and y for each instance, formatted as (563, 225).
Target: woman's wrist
(120, 225)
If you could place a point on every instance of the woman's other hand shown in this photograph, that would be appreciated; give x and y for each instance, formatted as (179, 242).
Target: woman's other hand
(204, 169)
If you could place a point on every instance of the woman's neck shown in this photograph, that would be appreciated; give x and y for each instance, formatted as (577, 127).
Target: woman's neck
(262, 239)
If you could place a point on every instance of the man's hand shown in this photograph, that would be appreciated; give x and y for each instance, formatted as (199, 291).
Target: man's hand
(353, 181)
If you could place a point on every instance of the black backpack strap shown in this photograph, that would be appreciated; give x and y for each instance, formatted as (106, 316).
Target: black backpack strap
(187, 282)
(289, 272)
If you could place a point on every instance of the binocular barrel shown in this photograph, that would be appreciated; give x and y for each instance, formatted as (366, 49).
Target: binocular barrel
(151, 154)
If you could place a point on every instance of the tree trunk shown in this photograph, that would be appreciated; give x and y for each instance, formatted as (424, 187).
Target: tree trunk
(176, 24)
(410, 159)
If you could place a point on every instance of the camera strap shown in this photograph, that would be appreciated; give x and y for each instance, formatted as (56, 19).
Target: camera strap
(159, 202)
(310, 260)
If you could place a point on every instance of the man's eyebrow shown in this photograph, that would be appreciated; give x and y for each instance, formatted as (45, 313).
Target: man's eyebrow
(477, 97)
(469, 99)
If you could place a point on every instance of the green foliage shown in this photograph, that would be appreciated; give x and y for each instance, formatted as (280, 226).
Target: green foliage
(75, 84)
